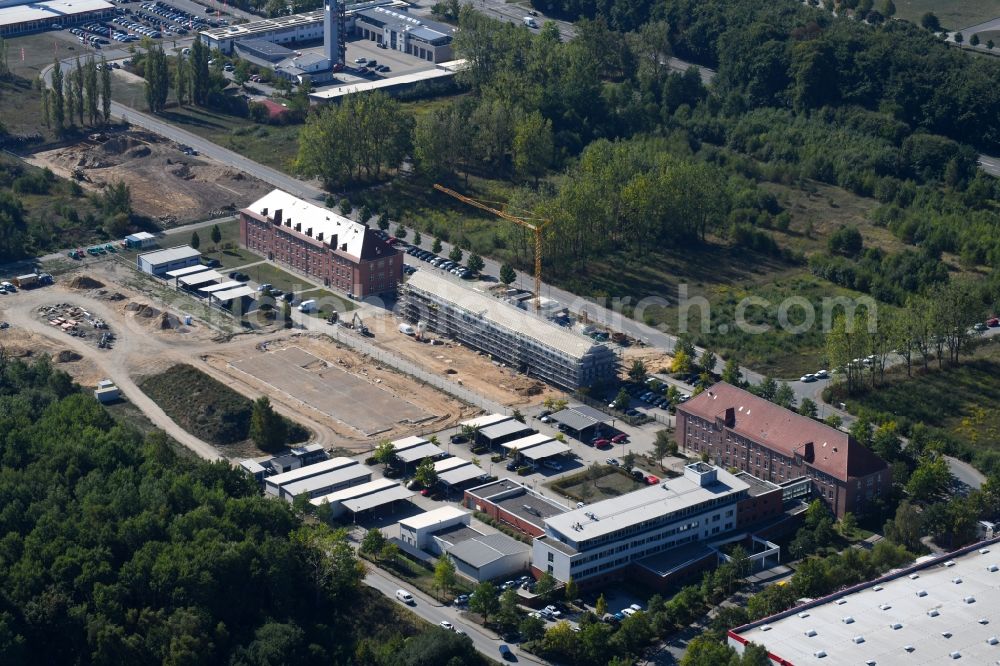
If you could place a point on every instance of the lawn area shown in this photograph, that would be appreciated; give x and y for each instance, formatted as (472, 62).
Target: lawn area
(280, 279)
(588, 487)
(206, 408)
(954, 14)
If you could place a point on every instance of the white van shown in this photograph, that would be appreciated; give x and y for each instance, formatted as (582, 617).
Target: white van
(307, 306)
(404, 596)
(406, 329)
(530, 22)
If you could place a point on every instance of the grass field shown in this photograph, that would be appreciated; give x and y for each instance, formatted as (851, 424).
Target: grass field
(954, 14)
(420, 576)
(583, 487)
(204, 407)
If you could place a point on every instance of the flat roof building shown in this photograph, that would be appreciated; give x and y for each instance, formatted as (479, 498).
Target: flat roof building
(417, 530)
(592, 543)
(274, 485)
(398, 31)
(505, 431)
(319, 243)
(365, 497)
(513, 504)
(159, 262)
(937, 611)
(481, 557)
(140, 241)
(527, 343)
(738, 429)
(485, 420)
(20, 18)
(582, 422)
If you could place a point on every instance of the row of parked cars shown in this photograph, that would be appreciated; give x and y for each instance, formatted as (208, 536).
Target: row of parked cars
(186, 19)
(444, 264)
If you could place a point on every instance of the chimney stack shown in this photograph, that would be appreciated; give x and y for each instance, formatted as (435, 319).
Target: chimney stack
(277, 216)
(309, 232)
(298, 226)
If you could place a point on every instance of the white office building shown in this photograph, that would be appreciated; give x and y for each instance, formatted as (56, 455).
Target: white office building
(609, 535)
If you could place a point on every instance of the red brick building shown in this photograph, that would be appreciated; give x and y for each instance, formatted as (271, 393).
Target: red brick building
(317, 242)
(738, 429)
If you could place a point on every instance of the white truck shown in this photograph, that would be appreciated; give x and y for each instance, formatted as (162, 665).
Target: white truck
(406, 329)
(307, 306)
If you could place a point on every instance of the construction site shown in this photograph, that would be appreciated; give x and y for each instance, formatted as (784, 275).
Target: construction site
(168, 183)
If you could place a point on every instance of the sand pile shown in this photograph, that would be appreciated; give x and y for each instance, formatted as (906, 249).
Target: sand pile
(84, 282)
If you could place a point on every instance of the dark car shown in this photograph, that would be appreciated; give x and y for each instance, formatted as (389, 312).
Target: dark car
(506, 653)
(459, 439)
(242, 277)
(289, 297)
(511, 466)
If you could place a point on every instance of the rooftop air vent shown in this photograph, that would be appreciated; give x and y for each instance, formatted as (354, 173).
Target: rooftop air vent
(841, 602)
(955, 655)
(803, 614)
(877, 588)
(946, 634)
(983, 551)
(858, 639)
(765, 627)
(950, 563)
(914, 576)
(956, 581)
(820, 654)
(895, 626)
(871, 662)
(884, 607)
(993, 640)
(810, 633)
(909, 648)
(983, 620)
(993, 568)
(847, 620)
(970, 600)
(921, 593)
(933, 612)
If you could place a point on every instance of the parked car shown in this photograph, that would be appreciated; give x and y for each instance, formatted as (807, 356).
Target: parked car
(445, 624)
(618, 439)
(613, 462)
(505, 652)
(511, 466)
(652, 480)
(459, 439)
(553, 465)
(822, 374)
(461, 600)
(602, 443)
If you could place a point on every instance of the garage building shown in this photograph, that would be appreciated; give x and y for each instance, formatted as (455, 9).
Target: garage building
(23, 17)
(158, 263)
(417, 530)
(276, 484)
(365, 497)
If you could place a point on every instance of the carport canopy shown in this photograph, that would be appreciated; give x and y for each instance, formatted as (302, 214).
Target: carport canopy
(461, 474)
(527, 442)
(222, 286)
(200, 278)
(413, 454)
(232, 294)
(374, 500)
(187, 270)
(545, 450)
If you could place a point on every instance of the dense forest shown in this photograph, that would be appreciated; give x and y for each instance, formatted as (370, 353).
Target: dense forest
(114, 550)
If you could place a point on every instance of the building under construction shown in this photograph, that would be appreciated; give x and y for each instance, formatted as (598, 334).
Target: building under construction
(519, 339)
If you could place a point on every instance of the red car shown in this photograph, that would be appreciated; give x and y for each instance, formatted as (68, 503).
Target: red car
(618, 439)
(601, 443)
(652, 480)
(425, 492)
(993, 323)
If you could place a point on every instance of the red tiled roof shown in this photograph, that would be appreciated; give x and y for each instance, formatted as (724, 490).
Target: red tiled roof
(274, 109)
(834, 452)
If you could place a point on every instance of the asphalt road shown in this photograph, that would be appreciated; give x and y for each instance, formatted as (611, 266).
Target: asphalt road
(990, 164)
(432, 611)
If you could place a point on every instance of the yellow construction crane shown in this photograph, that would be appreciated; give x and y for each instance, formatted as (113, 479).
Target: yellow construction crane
(539, 224)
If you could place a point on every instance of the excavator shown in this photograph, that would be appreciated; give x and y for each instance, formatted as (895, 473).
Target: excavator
(358, 325)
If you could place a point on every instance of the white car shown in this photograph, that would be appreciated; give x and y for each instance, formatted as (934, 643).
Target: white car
(636, 607)
(360, 61)
(822, 374)
(807, 378)
(628, 612)
(445, 624)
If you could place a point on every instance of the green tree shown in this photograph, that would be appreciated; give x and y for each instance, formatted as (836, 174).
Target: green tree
(195, 240)
(664, 445)
(507, 274)
(157, 79)
(888, 9)
(848, 524)
(216, 234)
(77, 79)
(105, 90)
(708, 361)
(886, 441)
(436, 246)
(475, 263)
(267, 429)
(808, 408)
(974, 40)
(706, 651)
(533, 146)
(182, 81)
(383, 221)
(456, 254)
(483, 601)
(930, 479)
(345, 207)
(58, 98)
(958, 38)
(389, 552)
(768, 388)
(201, 77)
(545, 585)
(622, 400)
(385, 452)
(417, 238)
(905, 528)
(425, 474)
(373, 541)
(444, 574)
(637, 372)
(90, 88)
(572, 590)
(731, 373)
(784, 396)
(400, 231)
(531, 628)
(601, 606)
(508, 616)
